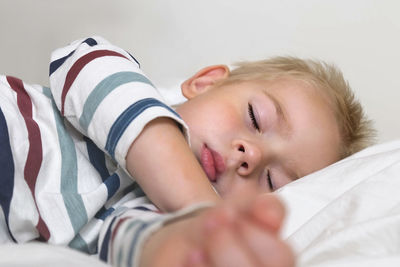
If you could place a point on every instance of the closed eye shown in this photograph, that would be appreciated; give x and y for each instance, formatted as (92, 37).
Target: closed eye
(253, 117)
(270, 183)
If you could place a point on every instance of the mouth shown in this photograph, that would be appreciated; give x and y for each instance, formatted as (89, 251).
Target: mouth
(212, 163)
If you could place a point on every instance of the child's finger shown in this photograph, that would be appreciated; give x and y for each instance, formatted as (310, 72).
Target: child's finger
(265, 208)
(266, 248)
(268, 210)
(221, 242)
(234, 238)
(224, 248)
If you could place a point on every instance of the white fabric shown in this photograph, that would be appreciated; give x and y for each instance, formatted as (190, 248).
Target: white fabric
(44, 255)
(349, 213)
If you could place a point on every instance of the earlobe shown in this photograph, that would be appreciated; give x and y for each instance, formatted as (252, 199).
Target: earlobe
(204, 80)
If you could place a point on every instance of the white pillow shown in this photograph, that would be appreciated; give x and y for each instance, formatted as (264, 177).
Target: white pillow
(347, 214)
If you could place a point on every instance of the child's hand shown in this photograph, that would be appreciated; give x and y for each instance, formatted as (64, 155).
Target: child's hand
(226, 235)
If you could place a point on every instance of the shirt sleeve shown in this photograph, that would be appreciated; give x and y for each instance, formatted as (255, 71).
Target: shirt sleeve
(100, 89)
(124, 233)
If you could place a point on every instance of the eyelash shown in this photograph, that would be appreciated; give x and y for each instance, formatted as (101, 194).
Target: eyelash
(270, 183)
(253, 117)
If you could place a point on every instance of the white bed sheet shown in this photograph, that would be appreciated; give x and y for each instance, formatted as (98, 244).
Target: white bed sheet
(349, 213)
(42, 255)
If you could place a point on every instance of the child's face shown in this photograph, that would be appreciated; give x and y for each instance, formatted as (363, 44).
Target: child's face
(260, 134)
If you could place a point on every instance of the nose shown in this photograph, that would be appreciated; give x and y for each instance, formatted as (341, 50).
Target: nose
(248, 156)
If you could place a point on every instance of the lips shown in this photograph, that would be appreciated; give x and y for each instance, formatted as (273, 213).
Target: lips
(212, 163)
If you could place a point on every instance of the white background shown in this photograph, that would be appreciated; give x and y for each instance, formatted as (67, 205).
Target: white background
(174, 38)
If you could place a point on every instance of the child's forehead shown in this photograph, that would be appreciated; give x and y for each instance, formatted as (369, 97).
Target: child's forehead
(286, 85)
(300, 85)
(298, 97)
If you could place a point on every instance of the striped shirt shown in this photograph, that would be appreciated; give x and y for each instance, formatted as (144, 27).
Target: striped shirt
(63, 148)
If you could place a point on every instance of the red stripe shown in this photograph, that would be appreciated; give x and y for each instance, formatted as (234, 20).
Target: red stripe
(35, 153)
(78, 66)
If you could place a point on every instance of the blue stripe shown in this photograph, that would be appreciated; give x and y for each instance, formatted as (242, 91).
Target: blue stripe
(57, 63)
(104, 246)
(133, 58)
(97, 159)
(104, 88)
(69, 174)
(123, 121)
(103, 213)
(142, 208)
(112, 183)
(128, 228)
(134, 241)
(135, 189)
(7, 171)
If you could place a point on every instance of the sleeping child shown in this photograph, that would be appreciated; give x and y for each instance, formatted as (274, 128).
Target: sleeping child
(100, 163)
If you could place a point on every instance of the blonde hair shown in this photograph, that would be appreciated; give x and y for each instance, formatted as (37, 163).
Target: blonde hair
(355, 128)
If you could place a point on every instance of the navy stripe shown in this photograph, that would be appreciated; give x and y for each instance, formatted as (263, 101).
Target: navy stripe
(142, 208)
(90, 41)
(141, 228)
(104, 246)
(135, 189)
(103, 213)
(97, 158)
(57, 63)
(112, 183)
(133, 58)
(7, 170)
(123, 121)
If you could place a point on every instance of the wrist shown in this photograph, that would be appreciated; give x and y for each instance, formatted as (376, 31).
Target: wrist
(172, 242)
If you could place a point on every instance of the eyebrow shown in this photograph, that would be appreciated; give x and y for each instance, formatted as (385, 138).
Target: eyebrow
(283, 120)
(282, 117)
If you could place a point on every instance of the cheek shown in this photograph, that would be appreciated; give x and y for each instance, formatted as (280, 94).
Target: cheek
(217, 115)
(215, 127)
(281, 181)
(226, 116)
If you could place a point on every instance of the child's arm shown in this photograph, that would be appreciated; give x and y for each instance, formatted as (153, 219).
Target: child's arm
(168, 170)
(102, 92)
(225, 235)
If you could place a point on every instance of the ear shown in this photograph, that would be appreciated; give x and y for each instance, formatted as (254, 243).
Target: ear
(203, 80)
